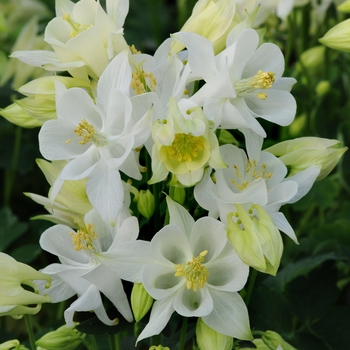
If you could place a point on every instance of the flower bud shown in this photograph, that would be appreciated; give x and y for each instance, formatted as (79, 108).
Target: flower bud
(313, 59)
(12, 345)
(301, 153)
(322, 88)
(255, 238)
(62, 338)
(212, 19)
(259, 345)
(16, 115)
(338, 37)
(141, 301)
(208, 339)
(14, 299)
(159, 347)
(145, 203)
(273, 340)
(179, 195)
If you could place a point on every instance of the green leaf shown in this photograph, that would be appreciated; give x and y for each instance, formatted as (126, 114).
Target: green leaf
(26, 253)
(10, 228)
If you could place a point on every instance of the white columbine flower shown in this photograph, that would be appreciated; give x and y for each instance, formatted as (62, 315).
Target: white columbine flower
(83, 36)
(98, 139)
(81, 272)
(247, 197)
(243, 82)
(191, 268)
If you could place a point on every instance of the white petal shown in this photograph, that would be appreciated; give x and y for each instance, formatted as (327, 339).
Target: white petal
(283, 225)
(160, 316)
(117, 11)
(180, 216)
(229, 316)
(110, 285)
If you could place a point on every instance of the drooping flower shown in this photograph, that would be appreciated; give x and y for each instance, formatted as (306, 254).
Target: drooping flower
(82, 271)
(188, 267)
(244, 82)
(98, 139)
(16, 301)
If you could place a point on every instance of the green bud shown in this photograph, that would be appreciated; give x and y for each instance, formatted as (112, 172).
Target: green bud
(338, 37)
(145, 203)
(159, 347)
(322, 88)
(312, 59)
(208, 339)
(273, 340)
(62, 338)
(179, 195)
(301, 153)
(16, 115)
(12, 345)
(344, 7)
(259, 345)
(141, 301)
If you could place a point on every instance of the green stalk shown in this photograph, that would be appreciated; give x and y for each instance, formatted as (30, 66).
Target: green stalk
(112, 343)
(30, 331)
(181, 12)
(93, 342)
(251, 282)
(183, 333)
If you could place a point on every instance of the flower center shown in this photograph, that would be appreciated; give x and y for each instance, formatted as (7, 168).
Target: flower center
(252, 172)
(185, 147)
(77, 28)
(196, 274)
(262, 80)
(142, 81)
(83, 240)
(88, 133)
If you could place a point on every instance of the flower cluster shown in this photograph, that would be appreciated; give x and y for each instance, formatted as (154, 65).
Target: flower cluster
(122, 115)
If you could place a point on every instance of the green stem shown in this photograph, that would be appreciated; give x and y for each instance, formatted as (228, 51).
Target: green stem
(118, 341)
(183, 333)
(93, 342)
(30, 331)
(181, 12)
(112, 343)
(251, 282)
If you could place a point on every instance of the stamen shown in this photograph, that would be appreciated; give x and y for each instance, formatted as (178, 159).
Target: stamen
(142, 81)
(89, 134)
(77, 28)
(185, 147)
(196, 274)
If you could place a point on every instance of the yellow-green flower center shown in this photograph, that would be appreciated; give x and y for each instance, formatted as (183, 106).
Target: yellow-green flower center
(252, 173)
(185, 147)
(77, 28)
(88, 133)
(195, 273)
(262, 80)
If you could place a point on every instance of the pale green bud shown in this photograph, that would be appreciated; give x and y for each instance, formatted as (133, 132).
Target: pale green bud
(12, 345)
(322, 88)
(145, 203)
(16, 115)
(312, 59)
(179, 195)
(159, 347)
(344, 7)
(141, 301)
(62, 338)
(209, 339)
(301, 153)
(212, 19)
(14, 299)
(255, 238)
(273, 340)
(298, 125)
(260, 345)
(338, 37)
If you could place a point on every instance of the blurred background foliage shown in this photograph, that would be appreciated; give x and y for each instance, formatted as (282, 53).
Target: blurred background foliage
(308, 302)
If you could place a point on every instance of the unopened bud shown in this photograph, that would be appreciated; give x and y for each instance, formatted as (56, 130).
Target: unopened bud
(273, 340)
(322, 88)
(338, 37)
(159, 347)
(145, 203)
(141, 301)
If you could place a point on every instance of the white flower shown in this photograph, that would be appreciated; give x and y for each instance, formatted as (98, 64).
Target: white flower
(98, 138)
(188, 267)
(243, 82)
(83, 36)
(81, 271)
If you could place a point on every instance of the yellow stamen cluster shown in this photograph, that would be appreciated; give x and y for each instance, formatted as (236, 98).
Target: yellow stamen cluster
(83, 239)
(262, 80)
(142, 81)
(88, 134)
(134, 50)
(185, 147)
(251, 174)
(77, 28)
(196, 274)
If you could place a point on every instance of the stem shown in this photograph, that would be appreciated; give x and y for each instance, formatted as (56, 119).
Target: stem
(183, 333)
(112, 343)
(30, 331)
(93, 342)
(117, 341)
(250, 287)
